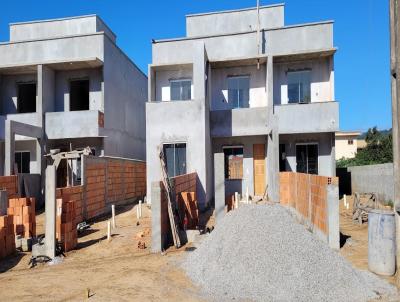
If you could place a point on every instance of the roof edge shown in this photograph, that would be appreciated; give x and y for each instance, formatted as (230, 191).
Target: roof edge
(53, 19)
(234, 10)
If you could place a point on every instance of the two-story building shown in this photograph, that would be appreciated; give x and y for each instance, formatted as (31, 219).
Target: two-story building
(240, 98)
(65, 84)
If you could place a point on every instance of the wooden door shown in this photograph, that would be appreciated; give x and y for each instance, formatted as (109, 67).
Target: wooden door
(259, 169)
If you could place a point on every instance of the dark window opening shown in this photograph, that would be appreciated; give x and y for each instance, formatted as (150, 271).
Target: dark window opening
(79, 95)
(233, 158)
(350, 142)
(26, 98)
(175, 158)
(307, 158)
(282, 157)
(23, 159)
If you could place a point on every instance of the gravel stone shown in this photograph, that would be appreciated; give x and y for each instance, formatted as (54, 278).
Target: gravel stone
(260, 253)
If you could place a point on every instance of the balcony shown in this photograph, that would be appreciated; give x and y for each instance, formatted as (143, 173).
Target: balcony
(239, 122)
(308, 118)
(74, 124)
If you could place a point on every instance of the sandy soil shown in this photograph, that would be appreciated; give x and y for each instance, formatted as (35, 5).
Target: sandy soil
(112, 271)
(355, 239)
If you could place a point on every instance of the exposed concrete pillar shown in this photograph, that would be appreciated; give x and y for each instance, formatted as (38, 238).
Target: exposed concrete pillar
(50, 206)
(270, 81)
(9, 149)
(219, 185)
(333, 216)
(3, 202)
(333, 155)
(151, 89)
(156, 240)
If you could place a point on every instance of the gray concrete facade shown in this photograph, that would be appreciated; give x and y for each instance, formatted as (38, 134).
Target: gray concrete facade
(52, 54)
(224, 44)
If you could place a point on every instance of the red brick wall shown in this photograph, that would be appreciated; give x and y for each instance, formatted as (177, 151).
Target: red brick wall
(10, 183)
(76, 194)
(182, 185)
(95, 186)
(107, 180)
(307, 194)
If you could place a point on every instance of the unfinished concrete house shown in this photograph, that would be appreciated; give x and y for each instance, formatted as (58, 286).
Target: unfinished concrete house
(65, 84)
(241, 98)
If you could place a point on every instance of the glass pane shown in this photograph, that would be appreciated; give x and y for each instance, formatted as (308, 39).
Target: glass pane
(293, 93)
(180, 159)
(305, 87)
(186, 90)
(312, 153)
(17, 160)
(169, 159)
(175, 91)
(301, 158)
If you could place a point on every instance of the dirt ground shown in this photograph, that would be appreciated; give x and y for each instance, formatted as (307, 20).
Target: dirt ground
(119, 271)
(354, 239)
(111, 271)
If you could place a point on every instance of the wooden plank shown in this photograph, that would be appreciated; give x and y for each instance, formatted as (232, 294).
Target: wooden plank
(259, 169)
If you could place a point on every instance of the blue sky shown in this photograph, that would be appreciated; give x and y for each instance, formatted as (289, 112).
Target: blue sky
(361, 32)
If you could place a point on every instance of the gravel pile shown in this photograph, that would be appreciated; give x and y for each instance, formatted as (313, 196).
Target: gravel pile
(260, 253)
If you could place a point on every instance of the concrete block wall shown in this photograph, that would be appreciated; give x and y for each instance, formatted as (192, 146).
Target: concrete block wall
(315, 201)
(373, 179)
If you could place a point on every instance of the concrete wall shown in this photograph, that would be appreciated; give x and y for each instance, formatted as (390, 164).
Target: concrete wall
(73, 48)
(62, 90)
(183, 122)
(125, 95)
(373, 178)
(58, 28)
(227, 22)
(326, 151)
(308, 118)
(240, 186)
(163, 78)
(321, 79)
(282, 41)
(239, 122)
(257, 93)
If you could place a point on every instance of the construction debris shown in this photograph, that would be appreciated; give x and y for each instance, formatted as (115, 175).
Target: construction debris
(362, 204)
(260, 253)
(141, 245)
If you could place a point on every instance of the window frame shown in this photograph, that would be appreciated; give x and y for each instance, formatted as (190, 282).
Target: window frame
(166, 161)
(299, 100)
(231, 77)
(29, 165)
(18, 84)
(181, 89)
(350, 142)
(306, 144)
(226, 164)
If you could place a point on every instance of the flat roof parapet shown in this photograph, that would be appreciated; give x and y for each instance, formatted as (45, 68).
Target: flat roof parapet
(61, 27)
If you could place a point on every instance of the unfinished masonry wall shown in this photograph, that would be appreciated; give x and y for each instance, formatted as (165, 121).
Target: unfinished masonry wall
(10, 184)
(161, 229)
(106, 181)
(315, 201)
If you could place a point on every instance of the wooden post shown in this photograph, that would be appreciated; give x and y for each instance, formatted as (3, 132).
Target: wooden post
(395, 87)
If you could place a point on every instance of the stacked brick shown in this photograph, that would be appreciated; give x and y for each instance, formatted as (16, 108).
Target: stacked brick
(308, 195)
(10, 184)
(7, 236)
(66, 231)
(187, 204)
(182, 185)
(22, 211)
(95, 187)
(76, 194)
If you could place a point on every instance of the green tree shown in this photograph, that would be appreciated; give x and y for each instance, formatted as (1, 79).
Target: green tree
(378, 150)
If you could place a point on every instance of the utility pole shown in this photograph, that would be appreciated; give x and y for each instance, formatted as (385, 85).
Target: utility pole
(395, 87)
